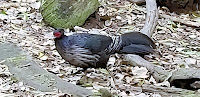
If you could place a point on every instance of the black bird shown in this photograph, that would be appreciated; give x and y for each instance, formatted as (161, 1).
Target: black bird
(92, 50)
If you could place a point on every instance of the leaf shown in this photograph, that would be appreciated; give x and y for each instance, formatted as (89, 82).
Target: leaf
(104, 71)
(3, 12)
(40, 54)
(25, 16)
(197, 19)
(189, 52)
(198, 54)
(8, 95)
(196, 14)
(164, 84)
(174, 25)
(139, 72)
(44, 58)
(190, 61)
(87, 85)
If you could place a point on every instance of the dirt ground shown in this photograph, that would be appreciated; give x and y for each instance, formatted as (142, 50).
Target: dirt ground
(21, 23)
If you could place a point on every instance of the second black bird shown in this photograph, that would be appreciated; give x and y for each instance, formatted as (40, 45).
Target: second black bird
(92, 50)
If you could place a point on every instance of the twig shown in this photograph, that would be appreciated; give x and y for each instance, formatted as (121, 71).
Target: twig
(182, 21)
(163, 91)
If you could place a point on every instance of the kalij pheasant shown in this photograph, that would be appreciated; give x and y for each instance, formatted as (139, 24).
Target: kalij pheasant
(92, 50)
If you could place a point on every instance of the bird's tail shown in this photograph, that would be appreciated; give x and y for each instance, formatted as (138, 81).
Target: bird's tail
(136, 43)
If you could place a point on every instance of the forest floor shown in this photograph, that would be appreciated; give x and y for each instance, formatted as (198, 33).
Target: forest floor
(21, 23)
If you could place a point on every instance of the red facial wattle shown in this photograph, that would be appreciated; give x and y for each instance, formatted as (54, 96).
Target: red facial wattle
(57, 34)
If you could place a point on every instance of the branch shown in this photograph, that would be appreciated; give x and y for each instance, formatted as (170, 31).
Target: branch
(182, 21)
(151, 18)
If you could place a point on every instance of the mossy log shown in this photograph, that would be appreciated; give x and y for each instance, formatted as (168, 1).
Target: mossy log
(23, 68)
(67, 13)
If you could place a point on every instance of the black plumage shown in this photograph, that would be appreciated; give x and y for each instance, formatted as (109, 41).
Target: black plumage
(92, 50)
(136, 43)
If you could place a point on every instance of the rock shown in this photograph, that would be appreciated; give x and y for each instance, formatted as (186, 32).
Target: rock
(67, 13)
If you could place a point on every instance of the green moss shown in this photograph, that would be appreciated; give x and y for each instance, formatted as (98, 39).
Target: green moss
(17, 59)
(67, 13)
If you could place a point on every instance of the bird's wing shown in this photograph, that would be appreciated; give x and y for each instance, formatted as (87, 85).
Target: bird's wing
(77, 55)
(83, 57)
(95, 43)
(136, 49)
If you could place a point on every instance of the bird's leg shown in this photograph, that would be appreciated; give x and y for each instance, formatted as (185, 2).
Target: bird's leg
(109, 72)
(84, 78)
(112, 79)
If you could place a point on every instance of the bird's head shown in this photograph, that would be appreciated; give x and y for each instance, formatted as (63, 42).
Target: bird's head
(58, 33)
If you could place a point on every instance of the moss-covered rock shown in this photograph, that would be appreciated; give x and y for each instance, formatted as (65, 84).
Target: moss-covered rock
(67, 13)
